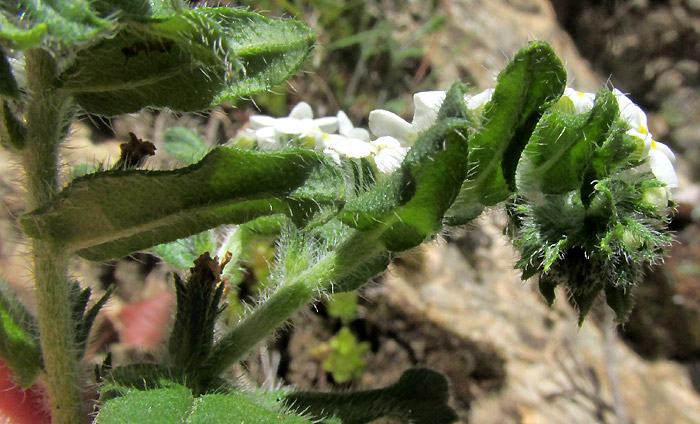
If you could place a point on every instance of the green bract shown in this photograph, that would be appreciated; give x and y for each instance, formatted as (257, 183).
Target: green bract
(581, 218)
(187, 62)
(134, 210)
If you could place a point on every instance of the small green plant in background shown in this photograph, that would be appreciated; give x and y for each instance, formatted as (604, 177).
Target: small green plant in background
(343, 355)
(583, 181)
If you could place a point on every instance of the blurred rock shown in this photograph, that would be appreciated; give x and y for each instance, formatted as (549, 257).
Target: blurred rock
(481, 36)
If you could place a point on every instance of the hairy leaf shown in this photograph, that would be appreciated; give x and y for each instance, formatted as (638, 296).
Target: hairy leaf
(133, 9)
(28, 23)
(111, 214)
(19, 342)
(408, 207)
(525, 88)
(184, 145)
(189, 61)
(419, 397)
(157, 406)
(192, 336)
(237, 408)
(13, 132)
(88, 318)
(174, 404)
(560, 150)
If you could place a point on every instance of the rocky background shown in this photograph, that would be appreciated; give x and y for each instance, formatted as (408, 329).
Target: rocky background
(456, 305)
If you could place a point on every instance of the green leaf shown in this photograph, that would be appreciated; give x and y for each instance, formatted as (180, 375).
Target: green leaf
(181, 253)
(342, 306)
(408, 207)
(525, 89)
(268, 51)
(144, 376)
(19, 38)
(547, 286)
(583, 301)
(187, 62)
(174, 404)
(66, 22)
(88, 318)
(559, 154)
(345, 359)
(111, 214)
(184, 145)
(19, 342)
(133, 9)
(237, 408)
(619, 300)
(8, 85)
(13, 133)
(192, 336)
(419, 397)
(158, 406)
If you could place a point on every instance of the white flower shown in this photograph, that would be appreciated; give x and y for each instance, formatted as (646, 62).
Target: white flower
(383, 123)
(426, 107)
(573, 101)
(300, 127)
(386, 152)
(660, 156)
(427, 104)
(478, 101)
(346, 128)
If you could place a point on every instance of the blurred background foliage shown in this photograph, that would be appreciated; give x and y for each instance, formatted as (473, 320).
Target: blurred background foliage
(362, 60)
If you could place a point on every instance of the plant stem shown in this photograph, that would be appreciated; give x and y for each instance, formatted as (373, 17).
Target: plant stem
(288, 298)
(46, 119)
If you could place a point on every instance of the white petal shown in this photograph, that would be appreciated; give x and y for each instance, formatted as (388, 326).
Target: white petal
(581, 102)
(382, 122)
(267, 139)
(386, 142)
(289, 126)
(266, 133)
(644, 141)
(663, 149)
(478, 100)
(335, 157)
(389, 160)
(662, 168)
(327, 124)
(358, 133)
(258, 121)
(349, 147)
(302, 111)
(427, 105)
(322, 141)
(344, 123)
(631, 113)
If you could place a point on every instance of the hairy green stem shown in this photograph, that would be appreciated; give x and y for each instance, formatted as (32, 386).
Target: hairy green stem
(289, 297)
(46, 123)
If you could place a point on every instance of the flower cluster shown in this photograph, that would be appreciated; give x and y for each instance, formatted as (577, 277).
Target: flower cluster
(659, 157)
(393, 136)
(336, 136)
